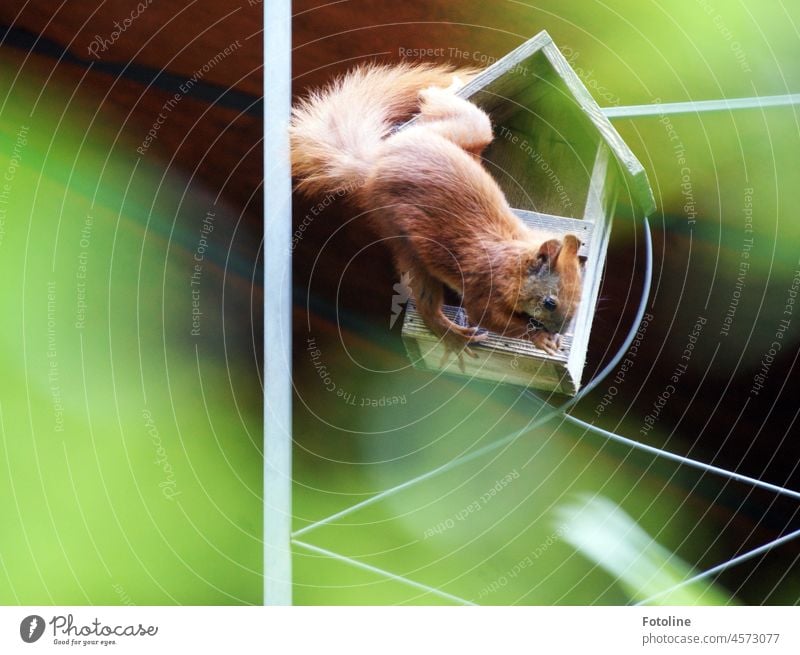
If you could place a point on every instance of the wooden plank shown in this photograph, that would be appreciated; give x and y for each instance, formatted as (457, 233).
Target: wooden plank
(500, 359)
(411, 337)
(567, 142)
(495, 88)
(500, 83)
(600, 204)
(537, 165)
(511, 169)
(598, 186)
(497, 367)
(560, 225)
(549, 144)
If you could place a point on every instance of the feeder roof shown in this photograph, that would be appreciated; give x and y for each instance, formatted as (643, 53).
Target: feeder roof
(504, 86)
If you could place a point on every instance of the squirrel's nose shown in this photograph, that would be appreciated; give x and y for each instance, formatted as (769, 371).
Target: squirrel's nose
(550, 303)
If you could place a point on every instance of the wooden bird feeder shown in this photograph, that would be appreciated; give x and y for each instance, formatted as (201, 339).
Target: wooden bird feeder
(561, 165)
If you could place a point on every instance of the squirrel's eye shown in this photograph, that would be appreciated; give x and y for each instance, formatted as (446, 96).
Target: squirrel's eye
(550, 303)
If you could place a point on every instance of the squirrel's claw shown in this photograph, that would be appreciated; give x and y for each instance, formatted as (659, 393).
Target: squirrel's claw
(456, 342)
(469, 334)
(458, 352)
(547, 341)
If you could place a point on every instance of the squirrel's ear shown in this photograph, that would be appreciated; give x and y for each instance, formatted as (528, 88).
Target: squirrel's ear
(548, 250)
(571, 244)
(544, 257)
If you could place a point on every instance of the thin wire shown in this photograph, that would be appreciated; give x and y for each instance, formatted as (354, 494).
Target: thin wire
(700, 106)
(420, 478)
(710, 468)
(725, 565)
(561, 410)
(387, 574)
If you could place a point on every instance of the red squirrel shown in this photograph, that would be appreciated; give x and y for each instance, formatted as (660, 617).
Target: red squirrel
(429, 198)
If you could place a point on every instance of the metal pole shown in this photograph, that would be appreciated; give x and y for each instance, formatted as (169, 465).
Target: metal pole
(277, 305)
(698, 106)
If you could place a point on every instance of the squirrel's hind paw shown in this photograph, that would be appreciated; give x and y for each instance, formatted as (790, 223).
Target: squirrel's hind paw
(456, 342)
(458, 352)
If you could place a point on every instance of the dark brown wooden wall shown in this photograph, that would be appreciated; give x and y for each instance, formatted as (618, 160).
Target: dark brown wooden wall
(175, 39)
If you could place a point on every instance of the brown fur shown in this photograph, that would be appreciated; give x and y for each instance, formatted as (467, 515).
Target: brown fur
(444, 217)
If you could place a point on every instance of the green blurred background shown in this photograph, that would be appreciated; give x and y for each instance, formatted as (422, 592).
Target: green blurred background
(130, 429)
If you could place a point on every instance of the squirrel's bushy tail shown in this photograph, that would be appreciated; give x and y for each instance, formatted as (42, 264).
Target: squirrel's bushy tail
(336, 132)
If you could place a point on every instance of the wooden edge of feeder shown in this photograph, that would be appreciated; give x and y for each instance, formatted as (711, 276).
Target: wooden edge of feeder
(499, 359)
(505, 64)
(600, 204)
(497, 69)
(560, 225)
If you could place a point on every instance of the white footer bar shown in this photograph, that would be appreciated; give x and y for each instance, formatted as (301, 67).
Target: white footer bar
(400, 630)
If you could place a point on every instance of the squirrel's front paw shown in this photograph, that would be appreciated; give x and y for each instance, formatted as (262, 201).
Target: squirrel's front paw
(547, 341)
